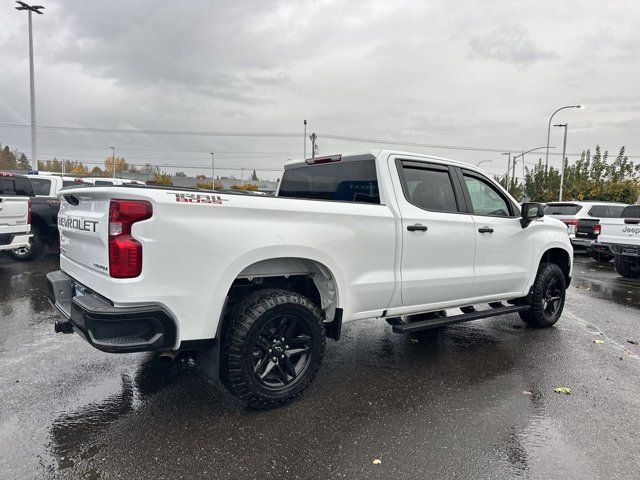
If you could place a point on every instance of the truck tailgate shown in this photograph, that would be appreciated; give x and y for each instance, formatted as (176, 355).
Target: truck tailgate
(83, 222)
(621, 231)
(14, 211)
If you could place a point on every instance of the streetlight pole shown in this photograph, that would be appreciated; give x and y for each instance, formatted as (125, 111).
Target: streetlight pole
(546, 160)
(564, 149)
(32, 89)
(508, 168)
(522, 156)
(113, 160)
(213, 172)
(305, 141)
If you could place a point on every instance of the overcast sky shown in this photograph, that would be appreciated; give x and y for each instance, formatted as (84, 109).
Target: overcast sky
(477, 74)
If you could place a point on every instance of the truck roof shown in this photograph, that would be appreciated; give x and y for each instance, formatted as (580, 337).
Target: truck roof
(384, 153)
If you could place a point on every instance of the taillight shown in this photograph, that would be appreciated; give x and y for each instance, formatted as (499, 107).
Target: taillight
(29, 214)
(125, 252)
(596, 229)
(571, 225)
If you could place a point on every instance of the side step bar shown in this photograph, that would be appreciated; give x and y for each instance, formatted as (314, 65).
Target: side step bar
(467, 317)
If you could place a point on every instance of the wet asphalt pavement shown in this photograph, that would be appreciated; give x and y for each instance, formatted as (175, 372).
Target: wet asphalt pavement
(474, 400)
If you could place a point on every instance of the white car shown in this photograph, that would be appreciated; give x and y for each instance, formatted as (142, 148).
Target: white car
(255, 285)
(105, 181)
(572, 211)
(15, 212)
(622, 236)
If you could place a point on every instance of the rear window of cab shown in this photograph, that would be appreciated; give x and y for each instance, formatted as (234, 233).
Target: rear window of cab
(562, 209)
(350, 181)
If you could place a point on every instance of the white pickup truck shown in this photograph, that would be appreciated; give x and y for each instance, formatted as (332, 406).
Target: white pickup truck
(15, 213)
(256, 284)
(622, 236)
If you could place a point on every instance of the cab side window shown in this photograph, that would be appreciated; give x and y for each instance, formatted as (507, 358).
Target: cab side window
(485, 198)
(428, 186)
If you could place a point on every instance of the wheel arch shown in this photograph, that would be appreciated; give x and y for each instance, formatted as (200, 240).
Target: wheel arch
(559, 256)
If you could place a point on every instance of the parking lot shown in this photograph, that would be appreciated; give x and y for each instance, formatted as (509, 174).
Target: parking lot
(474, 400)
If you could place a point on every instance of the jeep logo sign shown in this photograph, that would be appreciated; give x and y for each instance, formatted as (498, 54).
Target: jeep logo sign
(631, 230)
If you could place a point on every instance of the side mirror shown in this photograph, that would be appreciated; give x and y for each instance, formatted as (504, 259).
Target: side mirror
(529, 212)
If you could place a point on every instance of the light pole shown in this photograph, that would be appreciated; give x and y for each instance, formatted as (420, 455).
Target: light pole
(546, 160)
(305, 141)
(508, 168)
(32, 91)
(481, 162)
(564, 149)
(522, 156)
(113, 160)
(213, 172)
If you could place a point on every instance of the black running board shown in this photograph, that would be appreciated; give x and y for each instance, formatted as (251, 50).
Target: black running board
(467, 317)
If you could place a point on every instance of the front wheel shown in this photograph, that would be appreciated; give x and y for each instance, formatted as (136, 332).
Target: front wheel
(31, 251)
(273, 347)
(547, 297)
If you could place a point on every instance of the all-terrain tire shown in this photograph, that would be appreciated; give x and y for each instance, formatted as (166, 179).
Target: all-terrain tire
(247, 324)
(624, 268)
(33, 250)
(549, 284)
(602, 257)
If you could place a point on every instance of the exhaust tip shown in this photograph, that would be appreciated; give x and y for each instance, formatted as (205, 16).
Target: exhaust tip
(63, 327)
(167, 357)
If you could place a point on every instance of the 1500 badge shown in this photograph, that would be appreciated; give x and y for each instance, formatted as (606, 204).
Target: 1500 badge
(77, 223)
(198, 198)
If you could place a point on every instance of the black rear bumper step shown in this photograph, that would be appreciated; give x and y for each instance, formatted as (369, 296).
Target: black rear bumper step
(467, 317)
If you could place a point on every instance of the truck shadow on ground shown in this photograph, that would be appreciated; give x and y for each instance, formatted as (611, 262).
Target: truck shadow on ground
(367, 379)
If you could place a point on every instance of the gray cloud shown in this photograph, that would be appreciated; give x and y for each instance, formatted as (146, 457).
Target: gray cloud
(509, 43)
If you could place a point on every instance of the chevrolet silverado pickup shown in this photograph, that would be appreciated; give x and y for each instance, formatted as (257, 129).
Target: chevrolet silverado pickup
(15, 213)
(622, 237)
(255, 284)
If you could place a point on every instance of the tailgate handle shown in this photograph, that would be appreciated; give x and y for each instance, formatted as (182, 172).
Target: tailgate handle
(417, 228)
(634, 221)
(72, 200)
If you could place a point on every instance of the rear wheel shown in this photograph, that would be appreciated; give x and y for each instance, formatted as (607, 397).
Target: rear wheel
(31, 251)
(547, 297)
(602, 257)
(624, 268)
(273, 347)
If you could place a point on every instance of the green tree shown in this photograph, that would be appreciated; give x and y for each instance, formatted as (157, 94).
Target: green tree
(254, 176)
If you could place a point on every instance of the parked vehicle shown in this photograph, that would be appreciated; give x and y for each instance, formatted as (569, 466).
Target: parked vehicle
(44, 216)
(622, 236)
(105, 182)
(588, 229)
(256, 284)
(15, 212)
(47, 185)
(570, 212)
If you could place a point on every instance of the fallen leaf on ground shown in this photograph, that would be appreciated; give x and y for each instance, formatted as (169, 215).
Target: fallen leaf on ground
(415, 340)
(564, 390)
(597, 341)
(377, 461)
(632, 342)
(526, 392)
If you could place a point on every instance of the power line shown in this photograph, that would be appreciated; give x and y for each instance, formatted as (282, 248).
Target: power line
(154, 132)
(277, 135)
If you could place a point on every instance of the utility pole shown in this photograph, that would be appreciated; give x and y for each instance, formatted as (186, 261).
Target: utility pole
(113, 160)
(513, 172)
(213, 172)
(305, 141)
(564, 149)
(32, 91)
(242, 176)
(313, 138)
(508, 168)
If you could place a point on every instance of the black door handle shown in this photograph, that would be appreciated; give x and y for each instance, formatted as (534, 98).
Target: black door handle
(485, 230)
(417, 228)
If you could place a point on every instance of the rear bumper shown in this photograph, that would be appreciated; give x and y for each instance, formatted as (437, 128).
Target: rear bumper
(630, 251)
(109, 328)
(11, 241)
(582, 242)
